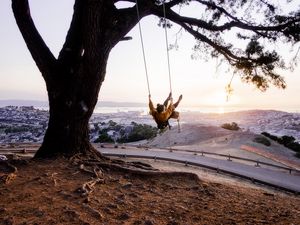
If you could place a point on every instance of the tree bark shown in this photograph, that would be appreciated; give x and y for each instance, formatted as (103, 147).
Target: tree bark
(73, 80)
(71, 103)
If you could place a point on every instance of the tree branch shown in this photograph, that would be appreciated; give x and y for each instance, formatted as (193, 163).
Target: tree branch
(171, 15)
(36, 45)
(72, 48)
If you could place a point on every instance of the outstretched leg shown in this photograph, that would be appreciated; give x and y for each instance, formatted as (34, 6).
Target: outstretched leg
(178, 101)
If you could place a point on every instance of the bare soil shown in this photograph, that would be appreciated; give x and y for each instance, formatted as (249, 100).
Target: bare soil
(66, 192)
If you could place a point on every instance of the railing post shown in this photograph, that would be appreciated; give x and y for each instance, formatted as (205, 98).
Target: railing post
(257, 164)
(229, 159)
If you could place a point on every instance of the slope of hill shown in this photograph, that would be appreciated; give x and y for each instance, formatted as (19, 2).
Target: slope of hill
(64, 192)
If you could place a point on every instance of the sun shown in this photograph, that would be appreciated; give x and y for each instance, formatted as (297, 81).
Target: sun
(220, 102)
(218, 99)
(221, 110)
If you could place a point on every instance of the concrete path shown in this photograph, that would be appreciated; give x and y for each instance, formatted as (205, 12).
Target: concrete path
(273, 177)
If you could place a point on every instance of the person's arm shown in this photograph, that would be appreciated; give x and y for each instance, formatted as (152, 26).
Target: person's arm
(170, 109)
(151, 107)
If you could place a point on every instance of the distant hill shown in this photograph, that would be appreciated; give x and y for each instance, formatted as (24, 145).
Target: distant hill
(18, 102)
(34, 103)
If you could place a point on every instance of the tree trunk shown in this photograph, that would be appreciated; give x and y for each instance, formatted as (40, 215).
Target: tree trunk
(71, 103)
(74, 79)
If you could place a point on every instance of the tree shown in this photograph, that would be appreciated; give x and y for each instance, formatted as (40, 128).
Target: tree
(74, 78)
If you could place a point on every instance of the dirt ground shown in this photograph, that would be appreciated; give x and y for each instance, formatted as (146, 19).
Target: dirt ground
(63, 192)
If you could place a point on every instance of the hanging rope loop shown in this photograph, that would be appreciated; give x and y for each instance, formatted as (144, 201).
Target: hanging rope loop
(167, 45)
(142, 43)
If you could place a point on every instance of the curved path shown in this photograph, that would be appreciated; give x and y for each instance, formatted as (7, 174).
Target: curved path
(281, 179)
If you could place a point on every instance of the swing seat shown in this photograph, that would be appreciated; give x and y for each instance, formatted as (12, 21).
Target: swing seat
(163, 125)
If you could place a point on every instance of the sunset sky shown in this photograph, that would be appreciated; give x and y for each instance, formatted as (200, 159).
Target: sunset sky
(201, 83)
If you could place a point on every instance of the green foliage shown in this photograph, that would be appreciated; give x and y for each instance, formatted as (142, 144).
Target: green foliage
(124, 134)
(139, 132)
(273, 137)
(17, 129)
(104, 137)
(262, 140)
(287, 141)
(230, 126)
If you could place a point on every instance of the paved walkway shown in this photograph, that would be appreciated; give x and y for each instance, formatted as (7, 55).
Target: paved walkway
(273, 177)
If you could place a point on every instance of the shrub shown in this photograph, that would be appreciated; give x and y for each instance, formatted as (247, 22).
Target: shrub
(232, 126)
(273, 137)
(104, 137)
(293, 146)
(262, 140)
(287, 141)
(139, 132)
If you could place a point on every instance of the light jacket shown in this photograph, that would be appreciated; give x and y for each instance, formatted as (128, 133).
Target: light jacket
(163, 116)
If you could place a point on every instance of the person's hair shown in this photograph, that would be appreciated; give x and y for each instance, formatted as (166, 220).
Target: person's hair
(160, 108)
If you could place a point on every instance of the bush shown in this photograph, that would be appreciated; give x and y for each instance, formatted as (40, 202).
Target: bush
(287, 141)
(262, 140)
(273, 137)
(232, 126)
(139, 132)
(104, 137)
(17, 129)
(293, 146)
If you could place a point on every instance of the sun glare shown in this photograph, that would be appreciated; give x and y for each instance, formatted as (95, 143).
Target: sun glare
(217, 99)
(221, 110)
(220, 102)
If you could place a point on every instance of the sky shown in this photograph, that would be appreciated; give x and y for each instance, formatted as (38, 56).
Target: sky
(201, 82)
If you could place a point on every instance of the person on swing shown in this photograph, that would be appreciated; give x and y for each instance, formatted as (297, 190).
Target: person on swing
(162, 113)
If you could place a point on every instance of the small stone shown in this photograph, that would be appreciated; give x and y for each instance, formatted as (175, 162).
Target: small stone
(124, 216)
(148, 222)
(9, 221)
(3, 210)
(134, 195)
(127, 186)
(86, 200)
(112, 206)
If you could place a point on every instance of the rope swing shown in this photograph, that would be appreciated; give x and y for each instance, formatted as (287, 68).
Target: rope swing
(142, 43)
(167, 46)
(168, 58)
(229, 89)
(143, 48)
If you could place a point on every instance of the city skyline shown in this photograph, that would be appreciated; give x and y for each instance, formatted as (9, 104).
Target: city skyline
(201, 82)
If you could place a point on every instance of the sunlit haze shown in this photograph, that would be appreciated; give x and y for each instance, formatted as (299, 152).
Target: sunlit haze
(202, 83)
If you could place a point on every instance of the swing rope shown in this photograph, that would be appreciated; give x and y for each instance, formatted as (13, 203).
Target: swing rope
(167, 46)
(142, 43)
(143, 48)
(168, 56)
(229, 89)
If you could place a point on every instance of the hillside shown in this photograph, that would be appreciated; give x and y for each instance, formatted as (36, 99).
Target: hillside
(67, 192)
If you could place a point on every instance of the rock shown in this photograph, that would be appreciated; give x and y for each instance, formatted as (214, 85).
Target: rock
(112, 206)
(3, 210)
(127, 186)
(8, 221)
(148, 222)
(124, 216)
(133, 195)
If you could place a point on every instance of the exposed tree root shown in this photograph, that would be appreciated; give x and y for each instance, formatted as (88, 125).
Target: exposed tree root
(91, 165)
(96, 168)
(7, 172)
